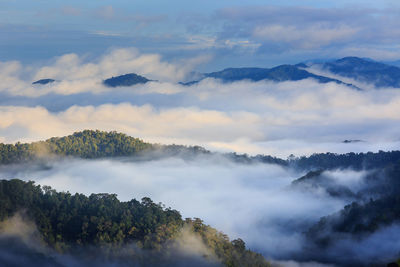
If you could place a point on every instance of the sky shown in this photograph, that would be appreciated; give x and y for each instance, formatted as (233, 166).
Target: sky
(230, 33)
(81, 43)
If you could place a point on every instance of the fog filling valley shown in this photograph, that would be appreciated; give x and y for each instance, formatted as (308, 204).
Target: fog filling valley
(256, 202)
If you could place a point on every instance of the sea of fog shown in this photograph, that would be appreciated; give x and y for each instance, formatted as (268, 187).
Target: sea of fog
(255, 202)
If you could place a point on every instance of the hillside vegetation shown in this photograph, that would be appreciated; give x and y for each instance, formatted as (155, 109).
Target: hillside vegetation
(68, 222)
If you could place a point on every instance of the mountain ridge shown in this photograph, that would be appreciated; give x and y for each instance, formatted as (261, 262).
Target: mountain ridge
(363, 70)
(359, 69)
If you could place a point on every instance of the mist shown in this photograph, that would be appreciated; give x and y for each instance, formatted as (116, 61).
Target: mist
(256, 202)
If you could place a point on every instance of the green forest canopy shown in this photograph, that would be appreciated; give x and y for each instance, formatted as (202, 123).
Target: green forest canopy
(67, 221)
(100, 144)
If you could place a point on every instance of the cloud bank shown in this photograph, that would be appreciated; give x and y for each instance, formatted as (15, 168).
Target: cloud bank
(255, 202)
(264, 117)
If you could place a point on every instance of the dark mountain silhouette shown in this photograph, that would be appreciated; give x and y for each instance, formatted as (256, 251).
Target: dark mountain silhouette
(278, 74)
(365, 70)
(44, 81)
(125, 80)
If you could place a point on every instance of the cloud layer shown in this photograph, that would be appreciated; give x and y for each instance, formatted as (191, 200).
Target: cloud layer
(265, 117)
(257, 198)
(255, 202)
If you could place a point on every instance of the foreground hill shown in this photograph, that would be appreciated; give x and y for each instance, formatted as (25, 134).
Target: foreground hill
(108, 228)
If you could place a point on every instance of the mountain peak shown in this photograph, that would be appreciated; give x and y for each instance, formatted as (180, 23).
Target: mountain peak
(125, 80)
(356, 60)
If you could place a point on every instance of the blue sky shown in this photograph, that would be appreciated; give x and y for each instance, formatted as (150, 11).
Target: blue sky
(230, 33)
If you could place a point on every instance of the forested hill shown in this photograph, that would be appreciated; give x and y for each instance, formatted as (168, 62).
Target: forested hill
(140, 232)
(92, 144)
(357, 161)
(85, 144)
(375, 212)
(101, 144)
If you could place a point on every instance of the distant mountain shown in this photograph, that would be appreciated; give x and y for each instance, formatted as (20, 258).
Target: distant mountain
(360, 69)
(44, 81)
(347, 141)
(380, 208)
(278, 74)
(393, 63)
(318, 181)
(125, 80)
(364, 70)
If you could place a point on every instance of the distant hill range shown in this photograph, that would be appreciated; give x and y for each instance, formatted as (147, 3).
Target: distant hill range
(358, 69)
(363, 70)
(129, 79)
(277, 74)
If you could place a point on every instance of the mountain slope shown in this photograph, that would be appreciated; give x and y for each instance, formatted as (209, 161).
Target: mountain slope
(278, 74)
(364, 70)
(100, 226)
(378, 208)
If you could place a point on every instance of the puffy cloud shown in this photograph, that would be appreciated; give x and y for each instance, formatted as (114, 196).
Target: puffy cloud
(116, 62)
(265, 117)
(181, 125)
(287, 118)
(75, 75)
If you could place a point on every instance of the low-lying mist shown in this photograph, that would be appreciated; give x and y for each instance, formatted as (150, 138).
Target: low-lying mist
(256, 202)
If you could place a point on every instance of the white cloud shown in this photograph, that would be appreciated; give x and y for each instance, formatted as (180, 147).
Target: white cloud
(116, 62)
(74, 75)
(265, 117)
(250, 201)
